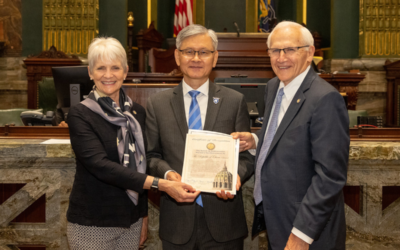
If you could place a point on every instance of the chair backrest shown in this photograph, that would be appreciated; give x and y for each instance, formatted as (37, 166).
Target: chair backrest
(47, 94)
(9, 116)
(353, 116)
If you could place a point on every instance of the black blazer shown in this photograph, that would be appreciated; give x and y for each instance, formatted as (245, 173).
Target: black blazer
(306, 166)
(98, 196)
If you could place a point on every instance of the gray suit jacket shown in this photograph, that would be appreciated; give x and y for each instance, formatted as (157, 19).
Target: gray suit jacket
(306, 166)
(166, 129)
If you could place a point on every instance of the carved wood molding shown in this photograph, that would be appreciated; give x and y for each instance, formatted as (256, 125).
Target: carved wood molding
(54, 53)
(347, 83)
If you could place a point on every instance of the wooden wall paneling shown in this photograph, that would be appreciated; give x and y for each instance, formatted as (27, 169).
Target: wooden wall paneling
(33, 132)
(353, 197)
(8, 189)
(396, 109)
(389, 195)
(163, 60)
(35, 213)
(152, 78)
(392, 93)
(141, 92)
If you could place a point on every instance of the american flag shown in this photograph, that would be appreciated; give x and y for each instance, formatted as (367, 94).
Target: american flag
(183, 15)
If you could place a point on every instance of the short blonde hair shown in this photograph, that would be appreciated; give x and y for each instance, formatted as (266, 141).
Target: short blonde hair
(106, 49)
(305, 33)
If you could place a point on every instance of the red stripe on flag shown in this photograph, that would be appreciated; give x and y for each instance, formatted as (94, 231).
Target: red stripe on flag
(183, 15)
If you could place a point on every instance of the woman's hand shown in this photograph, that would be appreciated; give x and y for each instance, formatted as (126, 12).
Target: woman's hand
(180, 191)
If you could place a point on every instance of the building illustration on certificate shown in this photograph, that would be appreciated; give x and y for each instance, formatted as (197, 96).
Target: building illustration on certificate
(211, 162)
(223, 180)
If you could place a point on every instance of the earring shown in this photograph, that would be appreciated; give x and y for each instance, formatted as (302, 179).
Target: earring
(91, 79)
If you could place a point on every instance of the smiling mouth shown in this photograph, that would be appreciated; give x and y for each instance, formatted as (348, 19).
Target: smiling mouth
(108, 83)
(284, 67)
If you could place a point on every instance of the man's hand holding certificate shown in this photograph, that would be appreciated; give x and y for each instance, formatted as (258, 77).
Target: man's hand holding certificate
(211, 162)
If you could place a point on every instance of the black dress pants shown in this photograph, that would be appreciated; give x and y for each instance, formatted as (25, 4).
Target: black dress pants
(201, 238)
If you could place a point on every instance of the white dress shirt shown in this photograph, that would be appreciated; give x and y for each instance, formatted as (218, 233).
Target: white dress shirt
(202, 100)
(289, 91)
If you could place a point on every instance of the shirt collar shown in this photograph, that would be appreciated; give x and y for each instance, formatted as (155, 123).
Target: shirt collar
(202, 89)
(291, 89)
(98, 94)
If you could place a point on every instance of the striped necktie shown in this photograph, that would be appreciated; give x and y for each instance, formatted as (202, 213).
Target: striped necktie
(265, 147)
(195, 123)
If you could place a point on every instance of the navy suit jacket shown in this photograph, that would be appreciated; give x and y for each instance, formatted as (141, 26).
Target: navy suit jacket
(306, 166)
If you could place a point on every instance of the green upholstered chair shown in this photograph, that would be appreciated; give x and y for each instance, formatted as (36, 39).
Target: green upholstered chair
(353, 116)
(9, 116)
(47, 94)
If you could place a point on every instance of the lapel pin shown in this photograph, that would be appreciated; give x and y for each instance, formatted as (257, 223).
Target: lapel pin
(134, 112)
(215, 100)
(298, 100)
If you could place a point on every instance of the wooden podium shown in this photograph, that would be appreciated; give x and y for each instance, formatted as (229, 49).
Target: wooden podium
(245, 55)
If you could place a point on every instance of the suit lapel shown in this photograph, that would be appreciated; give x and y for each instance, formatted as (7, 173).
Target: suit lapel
(212, 108)
(294, 108)
(178, 106)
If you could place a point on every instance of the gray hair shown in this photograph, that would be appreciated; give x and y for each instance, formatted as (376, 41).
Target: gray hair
(106, 49)
(305, 33)
(196, 29)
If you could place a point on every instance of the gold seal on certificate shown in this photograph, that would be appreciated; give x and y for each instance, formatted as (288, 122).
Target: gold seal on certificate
(211, 161)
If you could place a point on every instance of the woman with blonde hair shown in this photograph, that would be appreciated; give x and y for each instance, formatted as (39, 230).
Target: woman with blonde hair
(108, 200)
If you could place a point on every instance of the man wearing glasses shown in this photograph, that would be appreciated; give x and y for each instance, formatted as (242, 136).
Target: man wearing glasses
(302, 150)
(212, 221)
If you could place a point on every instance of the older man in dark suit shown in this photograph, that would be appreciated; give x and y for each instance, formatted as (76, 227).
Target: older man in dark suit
(213, 221)
(303, 150)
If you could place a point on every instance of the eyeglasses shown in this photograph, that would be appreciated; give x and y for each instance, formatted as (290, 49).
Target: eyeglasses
(190, 53)
(288, 51)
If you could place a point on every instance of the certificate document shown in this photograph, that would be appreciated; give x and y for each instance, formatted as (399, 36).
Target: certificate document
(211, 161)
